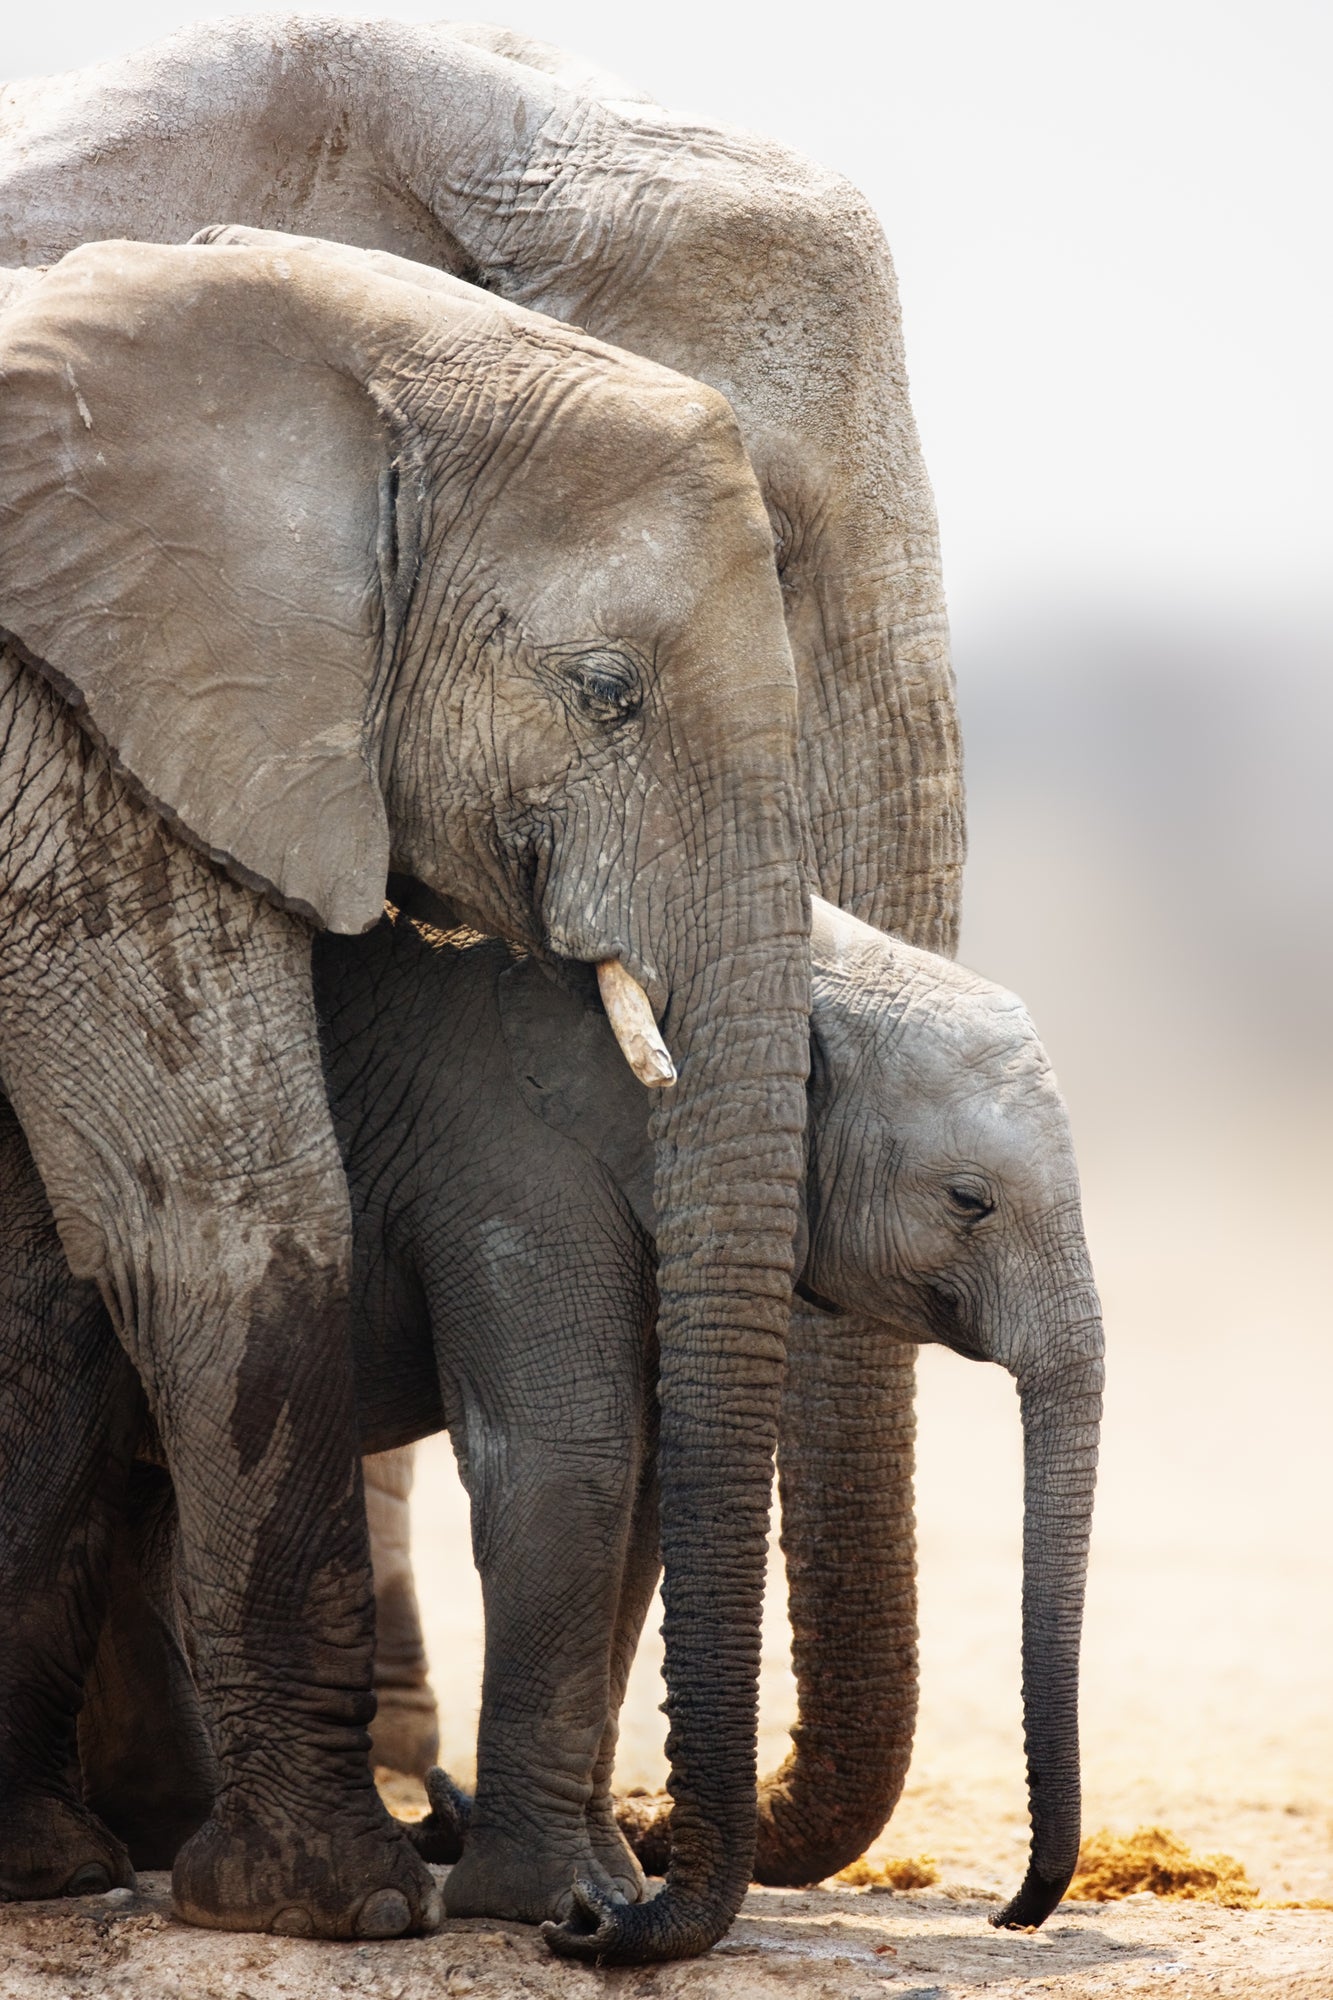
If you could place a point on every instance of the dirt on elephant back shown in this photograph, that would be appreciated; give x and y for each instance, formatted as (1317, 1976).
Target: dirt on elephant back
(830, 1944)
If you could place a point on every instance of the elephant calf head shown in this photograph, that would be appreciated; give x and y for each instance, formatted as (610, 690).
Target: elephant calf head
(943, 1200)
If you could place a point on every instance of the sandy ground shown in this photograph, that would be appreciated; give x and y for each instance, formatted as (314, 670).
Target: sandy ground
(828, 1945)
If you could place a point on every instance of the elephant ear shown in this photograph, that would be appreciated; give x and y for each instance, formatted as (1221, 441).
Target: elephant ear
(570, 1072)
(191, 547)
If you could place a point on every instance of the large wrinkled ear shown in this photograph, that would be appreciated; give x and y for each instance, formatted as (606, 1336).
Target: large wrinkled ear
(569, 1070)
(199, 535)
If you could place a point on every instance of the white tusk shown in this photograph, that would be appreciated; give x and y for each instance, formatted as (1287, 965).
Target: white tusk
(632, 1022)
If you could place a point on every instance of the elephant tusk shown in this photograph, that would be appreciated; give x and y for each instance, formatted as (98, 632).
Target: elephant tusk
(632, 1023)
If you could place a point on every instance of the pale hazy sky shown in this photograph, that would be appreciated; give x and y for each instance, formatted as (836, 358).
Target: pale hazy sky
(1111, 223)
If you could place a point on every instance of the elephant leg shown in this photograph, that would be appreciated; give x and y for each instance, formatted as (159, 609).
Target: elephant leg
(253, 1396)
(148, 1765)
(69, 1411)
(549, 1532)
(405, 1734)
(845, 1465)
(159, 1044)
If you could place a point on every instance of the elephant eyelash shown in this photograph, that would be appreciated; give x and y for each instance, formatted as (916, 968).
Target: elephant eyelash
(970, 1203)
(605, 685)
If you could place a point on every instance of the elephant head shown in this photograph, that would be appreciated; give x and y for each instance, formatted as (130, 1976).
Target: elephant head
(943, 1203)
(345, 569)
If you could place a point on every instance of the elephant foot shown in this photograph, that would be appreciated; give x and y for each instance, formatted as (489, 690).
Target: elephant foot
(526, 1878)
(440, 1836)
(613, 1853)
(405, 1734)
(53, 1847)
(301, 1881)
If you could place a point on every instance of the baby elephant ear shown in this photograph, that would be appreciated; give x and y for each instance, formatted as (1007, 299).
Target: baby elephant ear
(191, 486)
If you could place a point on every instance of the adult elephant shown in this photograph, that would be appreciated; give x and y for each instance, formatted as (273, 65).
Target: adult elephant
(311, 562)
(743, 264)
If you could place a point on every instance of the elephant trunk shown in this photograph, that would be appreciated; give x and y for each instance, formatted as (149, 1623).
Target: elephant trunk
(845, 1458)
(730, 1157)
(1061, 1405)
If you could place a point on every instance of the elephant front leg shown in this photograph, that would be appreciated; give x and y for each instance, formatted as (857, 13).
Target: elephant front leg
(69, 1409)
(253, 1392)
(549, 1529)
(147, 1763)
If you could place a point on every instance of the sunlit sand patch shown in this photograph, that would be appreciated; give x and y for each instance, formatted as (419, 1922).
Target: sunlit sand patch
(404, 1796)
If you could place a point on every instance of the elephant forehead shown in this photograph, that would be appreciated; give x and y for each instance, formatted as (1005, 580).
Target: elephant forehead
(650, 456)
(1012, 1128)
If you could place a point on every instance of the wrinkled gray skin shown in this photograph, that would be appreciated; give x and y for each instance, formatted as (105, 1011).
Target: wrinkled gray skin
(743, 264)
(317, 562)
(503, 1196)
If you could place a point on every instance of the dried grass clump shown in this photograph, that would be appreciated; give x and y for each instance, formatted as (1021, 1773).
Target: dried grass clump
(1152, 1858)
(908, 1871)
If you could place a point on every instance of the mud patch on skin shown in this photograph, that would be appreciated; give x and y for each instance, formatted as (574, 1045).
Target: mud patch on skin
(264, 1385)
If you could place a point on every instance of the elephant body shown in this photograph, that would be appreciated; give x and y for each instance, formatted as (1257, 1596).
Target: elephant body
(501, 1181)
(311, 561)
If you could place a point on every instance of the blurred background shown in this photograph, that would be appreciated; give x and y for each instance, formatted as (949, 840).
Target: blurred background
(1111, 229)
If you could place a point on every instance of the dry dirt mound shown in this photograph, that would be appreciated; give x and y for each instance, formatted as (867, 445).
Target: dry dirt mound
(830, 1944)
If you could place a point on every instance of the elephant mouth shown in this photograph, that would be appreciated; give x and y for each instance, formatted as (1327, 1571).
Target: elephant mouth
(810, 1297)
(624, 1000)
(628, 1007)
(948, 1328)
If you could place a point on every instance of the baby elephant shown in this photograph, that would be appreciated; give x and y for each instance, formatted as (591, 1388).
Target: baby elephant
(501, 1172)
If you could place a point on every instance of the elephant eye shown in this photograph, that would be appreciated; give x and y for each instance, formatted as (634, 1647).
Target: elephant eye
(969, 1201)
(606, 685)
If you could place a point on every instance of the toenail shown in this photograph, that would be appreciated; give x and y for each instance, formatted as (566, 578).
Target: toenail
(383, 1915)
(293, 1923)
(93, 1879)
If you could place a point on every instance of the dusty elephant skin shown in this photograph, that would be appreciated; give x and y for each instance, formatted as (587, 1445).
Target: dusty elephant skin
(404, 572)
(504, 1222)
(514, 164)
